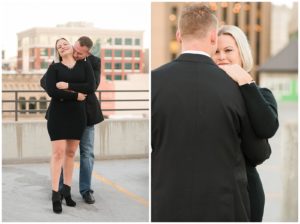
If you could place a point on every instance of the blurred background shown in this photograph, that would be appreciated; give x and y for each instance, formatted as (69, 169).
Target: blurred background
(120, 31)
(272, 30)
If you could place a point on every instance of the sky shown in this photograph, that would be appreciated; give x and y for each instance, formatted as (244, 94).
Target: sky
(20, 15)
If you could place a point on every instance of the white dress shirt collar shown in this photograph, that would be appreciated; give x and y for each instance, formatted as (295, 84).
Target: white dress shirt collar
(195, 52)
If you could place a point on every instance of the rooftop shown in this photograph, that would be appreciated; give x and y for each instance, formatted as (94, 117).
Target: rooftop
(285, 61)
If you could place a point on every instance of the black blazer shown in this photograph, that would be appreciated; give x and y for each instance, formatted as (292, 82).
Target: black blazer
(93, 107)
(201, 135)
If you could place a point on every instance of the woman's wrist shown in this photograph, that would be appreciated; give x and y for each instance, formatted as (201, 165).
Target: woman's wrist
(245, 79)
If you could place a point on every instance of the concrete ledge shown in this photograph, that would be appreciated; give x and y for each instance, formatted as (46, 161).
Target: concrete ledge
(114, 139)
(290, 172)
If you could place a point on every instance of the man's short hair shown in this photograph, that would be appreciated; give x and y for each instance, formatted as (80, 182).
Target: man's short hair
(196, 20)
(85, 41)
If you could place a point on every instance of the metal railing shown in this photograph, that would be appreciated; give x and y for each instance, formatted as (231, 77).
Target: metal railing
(99, 93)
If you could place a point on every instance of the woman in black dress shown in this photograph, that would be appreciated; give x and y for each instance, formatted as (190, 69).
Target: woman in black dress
(234, 57)
(66, 116)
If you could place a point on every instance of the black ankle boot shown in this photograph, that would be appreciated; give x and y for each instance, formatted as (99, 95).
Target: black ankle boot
(56, 202)
(66, 193)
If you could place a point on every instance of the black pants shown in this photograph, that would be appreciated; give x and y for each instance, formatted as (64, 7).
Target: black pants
(256, 194)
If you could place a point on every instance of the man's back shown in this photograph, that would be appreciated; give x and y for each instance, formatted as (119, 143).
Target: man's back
(198, 168)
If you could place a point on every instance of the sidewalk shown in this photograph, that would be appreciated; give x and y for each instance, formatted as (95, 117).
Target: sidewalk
(121, 192)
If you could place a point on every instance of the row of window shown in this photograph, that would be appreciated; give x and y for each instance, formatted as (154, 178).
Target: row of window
(43, 52)
(121, 53)
(118, 65)
(43, 39)
(44, 65)
(107, 53)
(115, 77)
(125, 41)
(32, 104)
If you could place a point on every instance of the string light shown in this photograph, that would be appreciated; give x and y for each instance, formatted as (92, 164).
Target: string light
(172, 17)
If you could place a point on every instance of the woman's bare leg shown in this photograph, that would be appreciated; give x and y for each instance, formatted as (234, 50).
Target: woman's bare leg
(71, 148)
(57, 158)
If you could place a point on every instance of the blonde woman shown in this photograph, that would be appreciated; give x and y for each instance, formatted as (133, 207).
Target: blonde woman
(66, 116)
(233, 55)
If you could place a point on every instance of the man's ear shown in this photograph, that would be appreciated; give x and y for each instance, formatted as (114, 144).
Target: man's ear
(213, 36)
(178, 36)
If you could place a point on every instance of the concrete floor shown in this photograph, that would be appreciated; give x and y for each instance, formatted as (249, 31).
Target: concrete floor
(121, 190)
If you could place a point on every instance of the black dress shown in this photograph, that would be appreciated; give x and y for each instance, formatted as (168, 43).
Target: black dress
(67, 117)
(262, 110)
(93, 107)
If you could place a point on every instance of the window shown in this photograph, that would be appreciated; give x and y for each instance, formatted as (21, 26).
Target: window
(174, 10)
(118, 77)
(128, 66)
(128, 53)
(173, 56)
(44, 64)
(31, 65)
(174, 29)
(137, 66)
(22, 104)
(108, 77)
(43, 103)
(137, 41)
(224, 14)
(118, 53)
(44, 52)
(128, 41)
(108, 53)
(31, 52)
(32, 104)
(137, 54)
(109, 40)
(118, 66)
(118, 41)
(108, 65)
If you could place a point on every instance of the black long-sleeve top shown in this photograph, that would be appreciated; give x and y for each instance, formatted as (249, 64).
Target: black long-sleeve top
(262, 109)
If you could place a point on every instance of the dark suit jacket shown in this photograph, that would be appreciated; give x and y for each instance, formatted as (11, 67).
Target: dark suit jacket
(201, 135)
(93, 107)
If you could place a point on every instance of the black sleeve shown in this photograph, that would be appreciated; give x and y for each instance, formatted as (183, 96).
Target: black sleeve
(262, 110)
(256, 150)
(43, 81)
(96, 64)
(89, 85)
(51, 80)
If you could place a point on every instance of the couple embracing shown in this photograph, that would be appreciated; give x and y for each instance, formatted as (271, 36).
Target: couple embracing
(210, 125)
(73, 111)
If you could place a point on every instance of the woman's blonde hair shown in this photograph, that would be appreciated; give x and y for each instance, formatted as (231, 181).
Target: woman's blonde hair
(242, 43)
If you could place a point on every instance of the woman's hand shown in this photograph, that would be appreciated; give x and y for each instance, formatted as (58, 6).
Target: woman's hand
(237, 73)
(81, 97)
(62, 85)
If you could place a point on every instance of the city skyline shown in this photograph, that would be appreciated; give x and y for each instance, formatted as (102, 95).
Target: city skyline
(106, 15)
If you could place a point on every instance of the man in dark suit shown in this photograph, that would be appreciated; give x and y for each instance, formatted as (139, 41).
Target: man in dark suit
(94, 115)
(200, 132)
